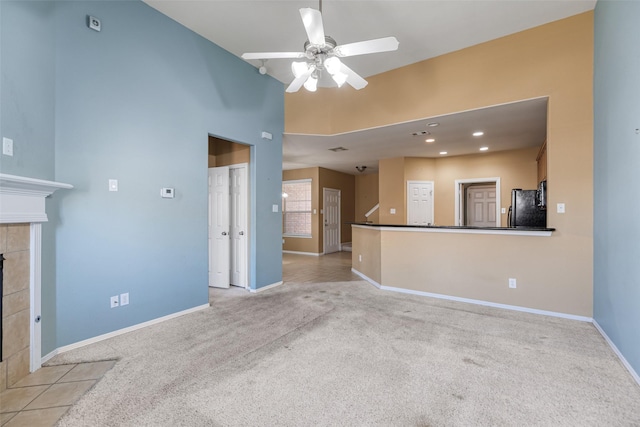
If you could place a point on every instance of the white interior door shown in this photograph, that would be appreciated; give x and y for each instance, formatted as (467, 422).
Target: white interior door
(419, 202)
(219, 227)
(481, 206)
(331, 209)
(238, 195)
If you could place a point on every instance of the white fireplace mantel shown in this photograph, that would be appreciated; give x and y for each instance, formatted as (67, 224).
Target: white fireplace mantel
(22, 198)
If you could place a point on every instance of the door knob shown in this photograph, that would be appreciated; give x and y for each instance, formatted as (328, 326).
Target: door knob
(38, 319)
(241, 233)
(224, 233)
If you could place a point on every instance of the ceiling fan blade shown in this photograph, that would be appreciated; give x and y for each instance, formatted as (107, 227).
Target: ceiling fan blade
(353, 78)
(273, 55)
(385, 44)
(297, 83)
(312, 21)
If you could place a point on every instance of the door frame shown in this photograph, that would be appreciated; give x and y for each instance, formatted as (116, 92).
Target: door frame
(461, 201)
(324, 212)
(245, 225)
(35, 296)
(409, 182)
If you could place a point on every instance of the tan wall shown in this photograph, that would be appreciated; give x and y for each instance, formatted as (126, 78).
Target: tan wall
(542, 162)
(14, 244)
(555, 61)
(227, 153)
(366, 196)
(323, 178)
(391, 173)
(304, 244)
(515, 168)
(347, 185)
(448, 264)
(367, 246)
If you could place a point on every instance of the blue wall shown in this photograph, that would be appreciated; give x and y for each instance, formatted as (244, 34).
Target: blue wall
(616, 175)
(27, 87)
(136, 102)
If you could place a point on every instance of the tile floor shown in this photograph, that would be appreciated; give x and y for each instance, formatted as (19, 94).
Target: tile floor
(41, 398)
(335, 267)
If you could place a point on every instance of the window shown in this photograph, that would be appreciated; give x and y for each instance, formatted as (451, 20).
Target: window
(296, 208)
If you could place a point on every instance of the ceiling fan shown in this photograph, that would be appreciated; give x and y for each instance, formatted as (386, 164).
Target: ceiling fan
(322, 53)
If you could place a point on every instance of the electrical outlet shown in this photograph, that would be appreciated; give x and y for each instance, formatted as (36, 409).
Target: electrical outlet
(114, 301)
(512, 283)
(113, 185)
(124, 299)
(360, 258)
(560, 208)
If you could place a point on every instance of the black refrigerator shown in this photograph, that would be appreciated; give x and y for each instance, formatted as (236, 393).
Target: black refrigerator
(524, 211)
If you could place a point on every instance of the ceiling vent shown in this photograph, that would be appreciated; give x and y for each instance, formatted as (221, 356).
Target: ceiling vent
(421, 133)
(336, 149)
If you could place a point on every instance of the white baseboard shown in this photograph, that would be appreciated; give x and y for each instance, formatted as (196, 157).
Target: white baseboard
(626, 364)
(302, 253)
(46, 357)
(368, 279)
(103, 337)
(264, 288)
(474, 301)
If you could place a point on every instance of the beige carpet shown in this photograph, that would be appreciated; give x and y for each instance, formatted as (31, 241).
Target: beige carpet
(349, 354)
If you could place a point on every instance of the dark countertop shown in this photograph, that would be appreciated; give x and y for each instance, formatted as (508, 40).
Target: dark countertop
(454, 227)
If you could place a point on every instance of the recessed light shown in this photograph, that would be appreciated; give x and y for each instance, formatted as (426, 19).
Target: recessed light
(443, 153)
(430, 140)
(433, 124)
(484, 148)
(478, 133)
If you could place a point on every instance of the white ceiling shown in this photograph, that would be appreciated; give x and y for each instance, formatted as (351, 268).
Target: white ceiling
(424, 28)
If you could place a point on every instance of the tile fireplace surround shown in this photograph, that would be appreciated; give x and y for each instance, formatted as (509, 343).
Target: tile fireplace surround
(22, 211)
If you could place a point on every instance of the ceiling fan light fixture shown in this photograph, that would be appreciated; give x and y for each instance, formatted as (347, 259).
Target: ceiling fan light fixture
(339, 78)
(332, 65)
(299, 68)
(311, 84)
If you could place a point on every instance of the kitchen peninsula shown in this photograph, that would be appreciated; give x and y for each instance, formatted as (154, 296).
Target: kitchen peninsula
(471, 264)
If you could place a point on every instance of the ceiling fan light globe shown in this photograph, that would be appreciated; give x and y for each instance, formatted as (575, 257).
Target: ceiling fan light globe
(299, 68)
(340, 78)
(332, 65)
(311, 84)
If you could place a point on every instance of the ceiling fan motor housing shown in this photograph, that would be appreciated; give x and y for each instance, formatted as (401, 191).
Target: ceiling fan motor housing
(311, 49)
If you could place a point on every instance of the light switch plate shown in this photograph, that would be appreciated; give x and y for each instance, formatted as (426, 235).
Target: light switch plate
(113, 185)
(560, 208)
(124, 299)
(274, 208)
(7, 146)
(392, 211)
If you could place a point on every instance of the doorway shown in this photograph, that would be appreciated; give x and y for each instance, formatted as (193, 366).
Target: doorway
(331, 210)
(478, 202)
(228, 214)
